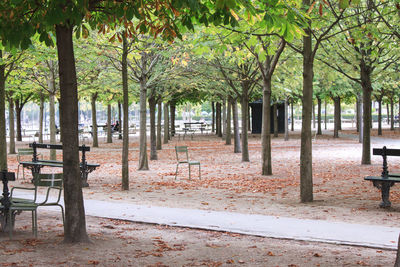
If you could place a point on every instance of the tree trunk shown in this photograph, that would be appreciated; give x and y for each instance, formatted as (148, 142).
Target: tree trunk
(11, 124)
(3, 131)
(245, 146)
(228, 136)
(125, 123)
(319, 131)
(266, 129)
(143, 162)
(248, 117)
(391, 114)
(75, 224)
(212, 117)
(61, 121)
(51, 85)
(172, 116)
(275, 115)
(109, 133)
(18, 112)
(223, 118)
(120, 120)
(340, 115)
(367, 90)
(358, 112)
(399, 112)
(306, 179)
(218, 119)
(41, 113)
(387, 114)
(326, 112)
(336, 101)
(95, 136)
(53, 152)
(159, 134)
(380, 116)
(153, 149)
(286, 120)
(313, 115)
(361, 135)
(292, 116)
(166, 123)
(236, 134)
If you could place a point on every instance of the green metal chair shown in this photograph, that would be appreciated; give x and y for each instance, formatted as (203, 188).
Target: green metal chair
(52, 181)
(22, 155)
(182, 157)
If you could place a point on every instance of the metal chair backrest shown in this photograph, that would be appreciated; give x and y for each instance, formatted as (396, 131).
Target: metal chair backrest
(181, 150)
(48, 179)
(24, 152)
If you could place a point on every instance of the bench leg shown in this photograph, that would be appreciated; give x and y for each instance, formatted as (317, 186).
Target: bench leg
(385, 191)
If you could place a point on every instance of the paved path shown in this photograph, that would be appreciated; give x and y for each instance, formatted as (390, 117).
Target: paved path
(260, 225)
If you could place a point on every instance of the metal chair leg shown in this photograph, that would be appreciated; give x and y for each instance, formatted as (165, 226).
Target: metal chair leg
(189, 171)
(176, 173)
(199, 172)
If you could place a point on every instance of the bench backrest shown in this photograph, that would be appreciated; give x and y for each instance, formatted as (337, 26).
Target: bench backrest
(35, 145)
(386, 152)
(53, 146)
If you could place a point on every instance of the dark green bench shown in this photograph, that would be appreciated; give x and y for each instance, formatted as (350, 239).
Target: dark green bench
(37, 164)
(387, 179)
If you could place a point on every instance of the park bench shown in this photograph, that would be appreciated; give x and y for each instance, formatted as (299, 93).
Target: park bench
(192, 127)
(36, 164)
(387, 179)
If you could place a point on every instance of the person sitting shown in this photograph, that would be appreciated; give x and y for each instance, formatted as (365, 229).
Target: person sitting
(116, 126)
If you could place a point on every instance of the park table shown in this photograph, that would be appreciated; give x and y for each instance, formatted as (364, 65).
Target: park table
(5, 199)
(193, 126)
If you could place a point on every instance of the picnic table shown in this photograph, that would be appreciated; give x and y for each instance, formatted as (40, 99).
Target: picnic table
(37, 164)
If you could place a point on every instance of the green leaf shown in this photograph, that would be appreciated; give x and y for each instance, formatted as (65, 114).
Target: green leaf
(343, 4)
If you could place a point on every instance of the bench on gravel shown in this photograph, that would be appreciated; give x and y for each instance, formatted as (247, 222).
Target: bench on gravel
(387, 179)
(36, 164)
